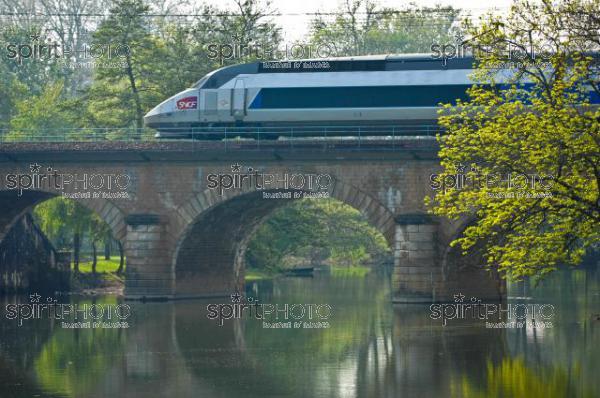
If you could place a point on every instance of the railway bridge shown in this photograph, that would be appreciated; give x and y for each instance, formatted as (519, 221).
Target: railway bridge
(186, 210)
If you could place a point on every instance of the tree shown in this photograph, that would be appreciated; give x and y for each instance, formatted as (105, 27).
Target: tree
(50, 216)
(34, 72)
(79, 220)
(66, 223)
(323, 230)
(72, 31)
(541, 125)
(99, 231)
(11, 91)
(245, 35)
(362, 28)
(44, 116)
(121, 258)
(127, 88)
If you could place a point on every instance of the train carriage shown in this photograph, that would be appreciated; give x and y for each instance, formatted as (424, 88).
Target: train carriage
(369, 95)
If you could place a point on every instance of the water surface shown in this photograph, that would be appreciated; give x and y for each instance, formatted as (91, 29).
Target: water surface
(371, 348)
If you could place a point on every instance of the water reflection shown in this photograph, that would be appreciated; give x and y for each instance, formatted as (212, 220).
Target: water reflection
(372, 349)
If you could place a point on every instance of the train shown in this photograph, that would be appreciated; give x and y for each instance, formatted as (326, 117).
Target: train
(347, 96)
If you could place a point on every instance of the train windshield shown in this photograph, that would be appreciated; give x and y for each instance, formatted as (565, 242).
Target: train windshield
(201, 82)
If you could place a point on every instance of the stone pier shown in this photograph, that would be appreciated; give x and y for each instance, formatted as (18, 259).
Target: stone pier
(417, 272)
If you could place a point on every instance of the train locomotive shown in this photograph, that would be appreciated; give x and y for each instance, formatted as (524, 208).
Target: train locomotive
(368, 95)
(368, 91)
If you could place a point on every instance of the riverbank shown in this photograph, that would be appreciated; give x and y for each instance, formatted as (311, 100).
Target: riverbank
(358, 271)
(106, 280)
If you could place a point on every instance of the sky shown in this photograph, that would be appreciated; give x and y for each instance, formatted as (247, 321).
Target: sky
(296, 27)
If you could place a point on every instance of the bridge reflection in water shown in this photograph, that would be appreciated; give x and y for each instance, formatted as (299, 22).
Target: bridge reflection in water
(372, 349)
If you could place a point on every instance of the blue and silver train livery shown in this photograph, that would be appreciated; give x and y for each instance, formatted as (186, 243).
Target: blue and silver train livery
(402, 90)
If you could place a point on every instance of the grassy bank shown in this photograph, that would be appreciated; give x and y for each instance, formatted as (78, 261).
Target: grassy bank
(358, 271)
(257, 274)
(104, 281)
(354, 271)
(102, 265)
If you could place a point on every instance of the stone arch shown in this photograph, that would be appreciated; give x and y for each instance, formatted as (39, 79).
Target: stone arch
(216, 229)
(14, 206)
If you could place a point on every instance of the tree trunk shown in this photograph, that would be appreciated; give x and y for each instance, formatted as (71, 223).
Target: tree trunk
(94, 257)
(139, 112)
(122, 257)
(107, 247)
(76, 247)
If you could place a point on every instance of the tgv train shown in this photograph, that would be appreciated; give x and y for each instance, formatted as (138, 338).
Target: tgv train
(347, 96)
(367, 91)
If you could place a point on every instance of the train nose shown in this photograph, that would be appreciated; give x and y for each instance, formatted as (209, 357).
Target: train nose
(152, 118)
(179, 110)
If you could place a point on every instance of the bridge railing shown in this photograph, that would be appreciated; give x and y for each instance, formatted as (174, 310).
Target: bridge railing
(71, 134)
(328, 137)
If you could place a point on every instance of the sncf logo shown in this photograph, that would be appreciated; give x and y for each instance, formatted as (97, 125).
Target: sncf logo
(188, 103)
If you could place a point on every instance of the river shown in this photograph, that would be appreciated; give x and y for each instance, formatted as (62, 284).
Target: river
(363, 347)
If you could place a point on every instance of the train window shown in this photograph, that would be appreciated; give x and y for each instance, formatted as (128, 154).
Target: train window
(200, 82)
(211, 102)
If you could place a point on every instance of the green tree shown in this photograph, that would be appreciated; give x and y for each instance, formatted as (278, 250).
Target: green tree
(247, 32)
(44, 116)
(361, 28)
(542, 123)
(324, 230)
(50, 216)
(99, 232)
(21, 78)
(33, 72)
(68, 221)
(121, 95)
(11, 91)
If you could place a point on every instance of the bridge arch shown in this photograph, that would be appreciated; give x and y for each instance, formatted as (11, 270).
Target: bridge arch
(14, 206)
(215, 230)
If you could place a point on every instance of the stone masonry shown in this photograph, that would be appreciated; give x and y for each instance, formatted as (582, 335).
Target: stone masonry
(183, 239)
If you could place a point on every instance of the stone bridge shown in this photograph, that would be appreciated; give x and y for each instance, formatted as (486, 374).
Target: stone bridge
(185, 237)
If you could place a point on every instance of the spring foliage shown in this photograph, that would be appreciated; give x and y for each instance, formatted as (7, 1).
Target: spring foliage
(540, 122)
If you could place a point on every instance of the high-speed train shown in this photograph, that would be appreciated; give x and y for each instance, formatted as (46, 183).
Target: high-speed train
(328, 94)
(336, 92)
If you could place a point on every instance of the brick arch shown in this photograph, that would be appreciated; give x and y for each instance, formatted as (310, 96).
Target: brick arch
(217, 229)
(374, 211)
(15, 206)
